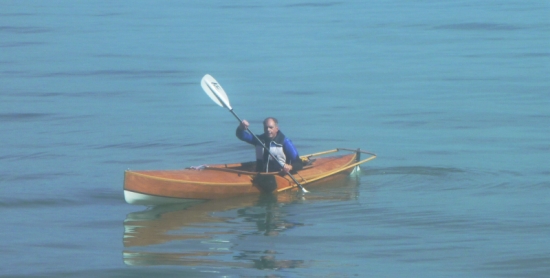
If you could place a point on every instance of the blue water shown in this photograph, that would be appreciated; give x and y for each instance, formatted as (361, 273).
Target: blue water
(453, 97)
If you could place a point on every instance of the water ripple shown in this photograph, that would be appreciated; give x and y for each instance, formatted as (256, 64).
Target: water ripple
(530, 266)
(31, 156)
(412, 170)
(20, 44)
(133, 145)
(36, 176)
(314, 4)
(479, 26)
(33, 203)
(24, 30)
(120, 73)
(241, 6)
(138, 74)
(18, 117)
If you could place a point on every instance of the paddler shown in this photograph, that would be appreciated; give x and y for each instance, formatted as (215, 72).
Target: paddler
(278, 144)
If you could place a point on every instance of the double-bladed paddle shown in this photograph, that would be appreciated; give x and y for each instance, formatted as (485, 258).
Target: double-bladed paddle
(215, 91)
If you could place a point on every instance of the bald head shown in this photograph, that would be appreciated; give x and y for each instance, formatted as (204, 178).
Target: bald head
(271, 119)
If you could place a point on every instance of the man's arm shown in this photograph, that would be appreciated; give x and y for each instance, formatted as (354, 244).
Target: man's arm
(292, 156)
(244, 135)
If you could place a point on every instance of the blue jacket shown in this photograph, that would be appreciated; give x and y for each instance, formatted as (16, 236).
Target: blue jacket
(281, 147)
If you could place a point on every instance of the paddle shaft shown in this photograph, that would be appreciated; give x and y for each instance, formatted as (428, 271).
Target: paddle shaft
(265, 148)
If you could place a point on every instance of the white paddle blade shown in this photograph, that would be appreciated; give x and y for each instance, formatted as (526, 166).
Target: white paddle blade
(215, 91)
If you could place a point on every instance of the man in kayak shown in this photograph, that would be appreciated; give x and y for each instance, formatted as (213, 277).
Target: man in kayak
(278, 144)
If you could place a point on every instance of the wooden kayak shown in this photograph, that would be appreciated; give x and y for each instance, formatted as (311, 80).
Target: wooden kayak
(229, 180)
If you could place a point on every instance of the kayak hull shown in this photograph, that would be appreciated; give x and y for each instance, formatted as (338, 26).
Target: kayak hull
(230, 180)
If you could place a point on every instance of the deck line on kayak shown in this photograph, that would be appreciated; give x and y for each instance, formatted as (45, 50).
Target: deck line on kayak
(188, 181)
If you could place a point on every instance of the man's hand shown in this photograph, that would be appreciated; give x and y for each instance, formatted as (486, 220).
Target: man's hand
(244, 125)
(286, 169)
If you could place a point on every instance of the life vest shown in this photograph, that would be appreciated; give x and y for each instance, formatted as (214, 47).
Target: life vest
(265, 161)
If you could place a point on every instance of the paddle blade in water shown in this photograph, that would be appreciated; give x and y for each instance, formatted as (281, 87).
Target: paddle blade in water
(215, 91)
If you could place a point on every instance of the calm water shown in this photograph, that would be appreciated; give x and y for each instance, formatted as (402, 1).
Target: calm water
(453, 96)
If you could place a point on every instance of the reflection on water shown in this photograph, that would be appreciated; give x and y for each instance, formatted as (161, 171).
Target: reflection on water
(206, 233)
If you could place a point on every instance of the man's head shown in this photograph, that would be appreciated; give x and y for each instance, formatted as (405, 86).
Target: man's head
(271, 127)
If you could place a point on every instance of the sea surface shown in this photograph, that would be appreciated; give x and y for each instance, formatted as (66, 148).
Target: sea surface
(452, 96)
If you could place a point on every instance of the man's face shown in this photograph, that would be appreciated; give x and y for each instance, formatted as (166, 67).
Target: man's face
(270, 129)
